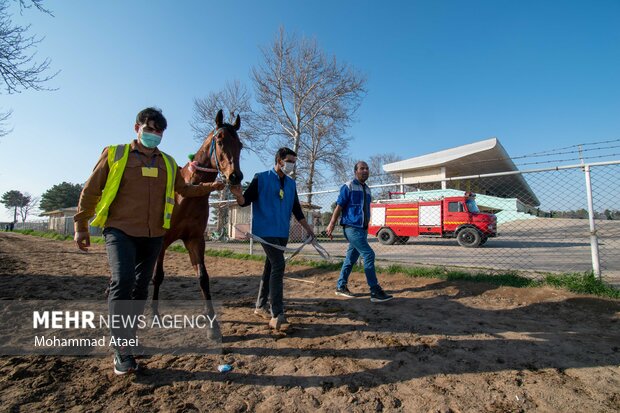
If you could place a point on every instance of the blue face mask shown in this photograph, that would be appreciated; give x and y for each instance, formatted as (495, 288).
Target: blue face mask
(150, 140)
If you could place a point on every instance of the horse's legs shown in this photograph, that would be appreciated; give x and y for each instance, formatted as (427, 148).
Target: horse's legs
(158, 278)
(196, 248)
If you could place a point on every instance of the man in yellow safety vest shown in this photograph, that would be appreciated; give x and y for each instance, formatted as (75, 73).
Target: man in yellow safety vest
(131, 194)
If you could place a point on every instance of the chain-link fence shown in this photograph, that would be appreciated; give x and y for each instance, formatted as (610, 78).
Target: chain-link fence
(58, 224)
(565, 219)
(42, 225)
(544, 222)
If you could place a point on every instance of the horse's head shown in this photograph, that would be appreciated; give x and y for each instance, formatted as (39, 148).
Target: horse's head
(220, 152)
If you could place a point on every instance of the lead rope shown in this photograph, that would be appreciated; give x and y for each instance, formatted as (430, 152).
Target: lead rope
(309, 241)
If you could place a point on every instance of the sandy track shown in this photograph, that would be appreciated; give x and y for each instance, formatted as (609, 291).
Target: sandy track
(440, 346)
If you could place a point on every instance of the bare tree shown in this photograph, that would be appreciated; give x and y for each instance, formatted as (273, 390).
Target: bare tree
(18, 68)
(234, 99)
(379, 177)
(38, 4)
(301, 91)
(376, 162)
(4, 129)
(324, 145)
(345, 172)
(28, 208)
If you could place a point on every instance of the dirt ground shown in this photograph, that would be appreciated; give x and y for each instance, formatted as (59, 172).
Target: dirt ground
(438, 347)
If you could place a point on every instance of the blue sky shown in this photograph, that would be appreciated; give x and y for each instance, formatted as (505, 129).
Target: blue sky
(538, 75)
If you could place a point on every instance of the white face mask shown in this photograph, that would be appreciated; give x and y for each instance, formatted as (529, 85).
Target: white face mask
(288, 167)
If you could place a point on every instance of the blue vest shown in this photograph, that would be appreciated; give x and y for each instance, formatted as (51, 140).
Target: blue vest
(271, 215)
(355, 208)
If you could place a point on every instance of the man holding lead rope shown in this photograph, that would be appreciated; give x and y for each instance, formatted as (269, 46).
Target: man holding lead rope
(273, 195)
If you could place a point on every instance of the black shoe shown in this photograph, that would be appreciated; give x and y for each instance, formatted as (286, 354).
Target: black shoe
(124, 364)
(379, 296)
(344, 292)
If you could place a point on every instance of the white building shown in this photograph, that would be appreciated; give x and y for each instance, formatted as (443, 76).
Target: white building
(61, 220)
(484, 157)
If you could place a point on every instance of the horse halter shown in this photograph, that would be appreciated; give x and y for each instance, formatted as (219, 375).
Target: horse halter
(193, 166)
(214, 151)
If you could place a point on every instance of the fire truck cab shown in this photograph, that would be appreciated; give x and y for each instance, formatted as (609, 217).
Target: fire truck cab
(394, 221)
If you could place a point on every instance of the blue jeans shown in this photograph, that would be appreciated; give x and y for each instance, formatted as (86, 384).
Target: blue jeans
(132, 263)
(358, 245)
(272, 281)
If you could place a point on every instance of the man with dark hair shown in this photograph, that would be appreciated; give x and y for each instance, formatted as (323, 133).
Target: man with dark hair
(273, 196)
(145, 116)
(354, 204)
(131, 191)
(282, 154)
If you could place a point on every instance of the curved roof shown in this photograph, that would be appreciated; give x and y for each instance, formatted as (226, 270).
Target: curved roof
(478, 158)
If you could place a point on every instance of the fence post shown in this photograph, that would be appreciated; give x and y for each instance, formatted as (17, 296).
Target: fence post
(596, 265)
(251, 240)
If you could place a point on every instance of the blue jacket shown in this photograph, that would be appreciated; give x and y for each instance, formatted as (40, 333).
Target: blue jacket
(271, 215)
(354, 207)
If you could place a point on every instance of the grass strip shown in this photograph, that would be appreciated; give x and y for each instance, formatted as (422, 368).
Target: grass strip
(580, 283)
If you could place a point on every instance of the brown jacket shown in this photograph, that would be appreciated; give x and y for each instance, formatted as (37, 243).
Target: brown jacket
(138, 208)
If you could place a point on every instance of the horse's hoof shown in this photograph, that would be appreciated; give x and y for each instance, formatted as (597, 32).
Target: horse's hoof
(214, 333)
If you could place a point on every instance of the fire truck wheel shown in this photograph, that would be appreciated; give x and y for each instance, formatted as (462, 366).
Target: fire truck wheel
(386, 236)
(469, 237)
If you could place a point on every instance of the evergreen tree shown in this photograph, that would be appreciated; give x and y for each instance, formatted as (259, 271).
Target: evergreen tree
(14, 199)
(63, 195)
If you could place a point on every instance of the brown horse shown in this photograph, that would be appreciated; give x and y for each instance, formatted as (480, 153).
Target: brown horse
(218, 155)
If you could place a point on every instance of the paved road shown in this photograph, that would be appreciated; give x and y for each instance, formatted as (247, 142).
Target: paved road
(541, 245)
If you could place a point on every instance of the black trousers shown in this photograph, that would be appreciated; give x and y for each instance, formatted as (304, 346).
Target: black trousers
(272, 281)
(132, 263)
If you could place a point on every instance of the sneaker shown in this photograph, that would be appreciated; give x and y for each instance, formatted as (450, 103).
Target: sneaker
(262, 312)
(140, 352)
(379, 296)
(344, 292)
(279, 323)
(124, 364)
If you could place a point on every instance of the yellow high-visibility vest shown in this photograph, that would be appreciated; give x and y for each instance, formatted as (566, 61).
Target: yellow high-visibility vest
(117, 160)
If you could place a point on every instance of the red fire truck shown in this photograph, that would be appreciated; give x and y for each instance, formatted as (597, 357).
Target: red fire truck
(394, 221)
